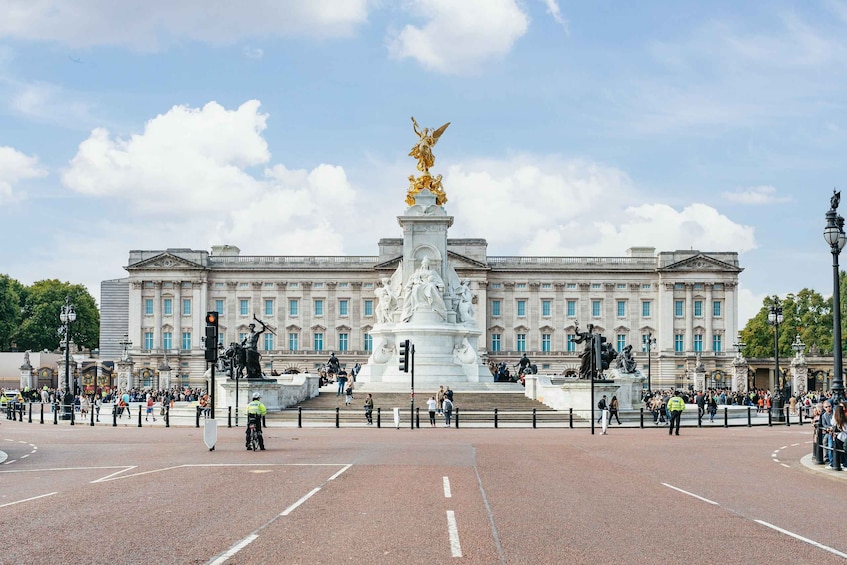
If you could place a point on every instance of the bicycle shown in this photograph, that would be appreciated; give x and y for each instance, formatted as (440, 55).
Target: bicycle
(253, 435)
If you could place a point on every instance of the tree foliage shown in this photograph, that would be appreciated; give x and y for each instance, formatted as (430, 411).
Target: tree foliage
(806, 314)
(41, 307)
(11, 309)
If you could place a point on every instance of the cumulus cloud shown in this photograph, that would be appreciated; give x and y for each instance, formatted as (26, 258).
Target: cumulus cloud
(546, 206)
(458, 36)
(755, 195)
(147, 26)
(187, 176)
(14, 167)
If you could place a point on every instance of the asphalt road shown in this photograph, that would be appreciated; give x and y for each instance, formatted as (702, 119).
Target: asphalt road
(434, 495)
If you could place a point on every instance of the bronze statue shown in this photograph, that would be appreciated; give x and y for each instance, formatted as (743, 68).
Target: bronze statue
(251, 346)
(835, 200)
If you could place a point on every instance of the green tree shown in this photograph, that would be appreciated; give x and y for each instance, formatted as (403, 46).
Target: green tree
(11, 300)
(806, 314)
(42, 306)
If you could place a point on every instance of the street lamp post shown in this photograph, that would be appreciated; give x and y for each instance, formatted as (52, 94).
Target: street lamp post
(775, 318)
(67, 317)
(834, 235)
(649, 342)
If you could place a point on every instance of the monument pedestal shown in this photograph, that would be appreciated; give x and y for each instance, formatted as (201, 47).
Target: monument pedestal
(269, 389)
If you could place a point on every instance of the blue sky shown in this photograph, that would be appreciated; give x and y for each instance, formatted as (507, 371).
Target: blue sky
(283, 127)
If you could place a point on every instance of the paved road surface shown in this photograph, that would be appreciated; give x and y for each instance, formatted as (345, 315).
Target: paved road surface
(154, 495)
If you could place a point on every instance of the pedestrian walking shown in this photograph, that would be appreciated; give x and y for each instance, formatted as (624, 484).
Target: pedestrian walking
(601, 405)
(348, 394)
(440, 399)
(613, 410)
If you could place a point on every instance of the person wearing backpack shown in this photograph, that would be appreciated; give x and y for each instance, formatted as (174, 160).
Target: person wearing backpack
(447, 408)
(601, 406)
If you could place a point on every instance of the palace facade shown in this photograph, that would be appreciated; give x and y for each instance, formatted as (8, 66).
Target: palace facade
(687, 301)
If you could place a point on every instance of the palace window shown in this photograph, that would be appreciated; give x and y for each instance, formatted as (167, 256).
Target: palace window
(343, 342)
(495, 342)
(342, 308)
(495, 307)
(369, 307)
(521, 308)
(545, 343)
(293, 341)
(571, 305)
(293, 307)
(168, 307)
(521, 342)
(546, 307)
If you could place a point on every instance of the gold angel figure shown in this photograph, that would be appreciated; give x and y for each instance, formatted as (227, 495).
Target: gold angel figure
(422, 151)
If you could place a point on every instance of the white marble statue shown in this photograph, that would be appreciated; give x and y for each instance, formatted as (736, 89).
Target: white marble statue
(424, 291)
(465, 307)
(463, 353)
(387, 304)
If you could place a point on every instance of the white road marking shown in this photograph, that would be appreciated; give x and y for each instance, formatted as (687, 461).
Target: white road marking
(303, 499)
(335, 476)
(28, 499)
(784, 465)
(453, 530)
(447, 493)
(234, 549)
(801, 538)
(691, 494)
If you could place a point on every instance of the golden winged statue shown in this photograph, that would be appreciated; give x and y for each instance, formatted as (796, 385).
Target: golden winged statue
(422, 151)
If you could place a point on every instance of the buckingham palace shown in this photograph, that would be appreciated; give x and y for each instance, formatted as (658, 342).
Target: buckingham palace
(686, 301)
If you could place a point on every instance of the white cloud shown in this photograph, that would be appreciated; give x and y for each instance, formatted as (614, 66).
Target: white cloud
(46, 102)
(14, 167)
(545, 206)
(149, 25)
(185, 182)
(186, 159)
(556, 13)
(253, 52)
(458, 36)
(749, 305)
(755, 195)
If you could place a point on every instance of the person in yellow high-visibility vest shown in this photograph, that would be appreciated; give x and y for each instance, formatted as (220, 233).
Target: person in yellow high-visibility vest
(255, 412)
(675, 407)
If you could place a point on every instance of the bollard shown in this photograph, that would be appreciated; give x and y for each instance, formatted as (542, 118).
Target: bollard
(495, 418)
(770, 419)
(699, 419)
(642, 418)
(197, 417)
(378, 416)
(92, 415)
(835, 455)
(570, 418)
(725, 417)
(533, 418)
(337, 421)
(139, 415)
(73, 415)
(299, 416)
(56, 415)
(114, 416)
(749, 420)
(42, 412)
(29, 414)
(418, 417)
(817, 446)
(787, 418)
(229, 416)
(457, 418)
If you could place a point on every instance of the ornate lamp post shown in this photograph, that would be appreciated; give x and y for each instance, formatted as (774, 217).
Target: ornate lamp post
(834, 235)
(775, 318)
(648, 343)
(67, 317)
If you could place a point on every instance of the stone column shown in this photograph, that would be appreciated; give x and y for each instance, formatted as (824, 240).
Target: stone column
(699, 376)
(688, 316)
(799, 368)
(739, 374)
(708, 312)
(157, 315)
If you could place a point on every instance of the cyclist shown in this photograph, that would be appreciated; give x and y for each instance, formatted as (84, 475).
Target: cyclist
(255, 411)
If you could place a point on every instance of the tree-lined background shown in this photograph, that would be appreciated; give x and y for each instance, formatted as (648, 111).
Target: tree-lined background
(29, 315)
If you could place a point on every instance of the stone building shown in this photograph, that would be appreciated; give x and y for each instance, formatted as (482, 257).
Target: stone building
(687, 301)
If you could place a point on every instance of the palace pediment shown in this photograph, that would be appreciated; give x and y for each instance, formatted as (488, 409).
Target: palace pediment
(700, 262)
(165, 262)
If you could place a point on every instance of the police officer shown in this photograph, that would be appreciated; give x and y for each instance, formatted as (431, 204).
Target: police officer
(255, 412)
(675, 407)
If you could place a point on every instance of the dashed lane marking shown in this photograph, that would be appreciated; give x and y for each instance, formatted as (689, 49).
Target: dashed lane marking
(691, 494)
(453, 531)
(447, 493)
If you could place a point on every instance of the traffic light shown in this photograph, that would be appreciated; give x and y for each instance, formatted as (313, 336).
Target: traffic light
(599, 340)
(404, 355)
(211, 336)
